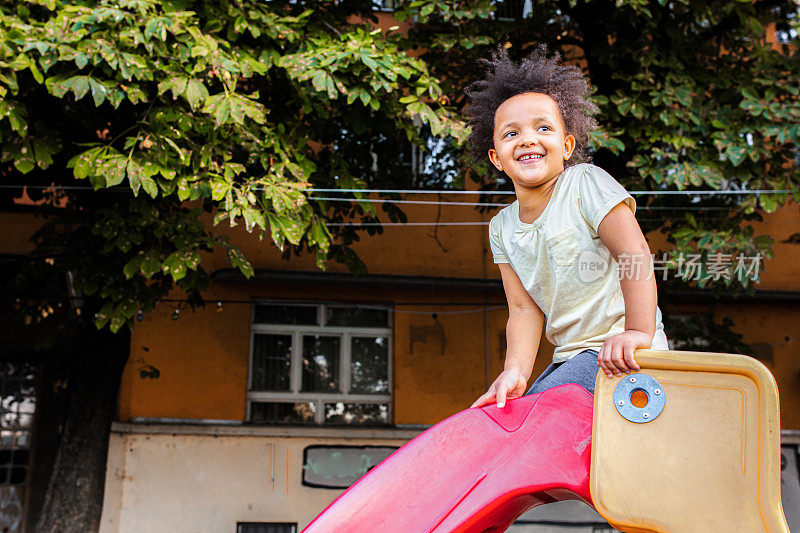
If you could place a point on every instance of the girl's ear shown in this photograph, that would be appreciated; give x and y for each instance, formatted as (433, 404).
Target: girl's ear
(494, 159)
(569, 146)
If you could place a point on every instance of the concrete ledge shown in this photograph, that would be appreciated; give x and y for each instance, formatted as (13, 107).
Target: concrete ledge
(788, 437)
(392, 281)
(334, 433)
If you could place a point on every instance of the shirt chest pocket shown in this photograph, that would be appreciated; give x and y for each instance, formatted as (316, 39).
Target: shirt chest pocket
(563, 247)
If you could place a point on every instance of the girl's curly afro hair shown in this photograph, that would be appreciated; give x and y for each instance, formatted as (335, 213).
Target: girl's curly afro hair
(535, 74)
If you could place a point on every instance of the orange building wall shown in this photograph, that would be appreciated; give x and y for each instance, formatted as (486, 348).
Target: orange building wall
(202, 357)
(776, 325)
(16, 229)
(449, 251)
(780, 273)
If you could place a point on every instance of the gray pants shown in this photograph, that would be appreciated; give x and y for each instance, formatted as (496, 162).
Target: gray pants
(581, 369)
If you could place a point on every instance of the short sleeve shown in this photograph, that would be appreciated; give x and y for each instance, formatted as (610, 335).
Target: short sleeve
(495, 242)
(599, 193)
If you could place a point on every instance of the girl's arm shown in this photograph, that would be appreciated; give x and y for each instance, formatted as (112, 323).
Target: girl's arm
(621, 234)
(523, 333)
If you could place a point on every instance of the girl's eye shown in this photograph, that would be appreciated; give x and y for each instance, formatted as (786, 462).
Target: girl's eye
(548, 128)
(509, 133)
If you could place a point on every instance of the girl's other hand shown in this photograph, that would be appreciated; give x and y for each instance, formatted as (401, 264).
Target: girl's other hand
(616, 354)
(509, 384)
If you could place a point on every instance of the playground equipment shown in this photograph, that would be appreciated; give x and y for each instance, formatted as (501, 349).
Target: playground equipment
(690, 443)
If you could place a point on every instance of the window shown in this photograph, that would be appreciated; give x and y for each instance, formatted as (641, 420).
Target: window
(434, 166)
(339, 466)
(17, 405)
(388, 159)
(320, 364)
(511, 10)
(266, 527)
(790, 484)
(384, 5)
(786, 30)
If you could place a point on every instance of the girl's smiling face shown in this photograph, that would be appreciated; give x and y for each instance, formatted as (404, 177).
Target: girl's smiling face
(530, 140)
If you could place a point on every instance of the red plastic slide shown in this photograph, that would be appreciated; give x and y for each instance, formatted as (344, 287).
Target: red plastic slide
(476, 471)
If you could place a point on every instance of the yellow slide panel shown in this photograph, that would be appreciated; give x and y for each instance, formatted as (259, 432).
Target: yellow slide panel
(690, 443)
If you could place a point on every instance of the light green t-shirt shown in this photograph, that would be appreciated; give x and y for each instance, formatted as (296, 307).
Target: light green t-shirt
(564, 265)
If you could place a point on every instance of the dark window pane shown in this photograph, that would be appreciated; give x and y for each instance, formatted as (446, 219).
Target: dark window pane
(272, 360)
(356, 414)
(20, 457)
(281, 413)
(321, 363)
(509, 9)
(369, 364)
(266, 527)
(285, 314)
(357, 317)
(18, 475)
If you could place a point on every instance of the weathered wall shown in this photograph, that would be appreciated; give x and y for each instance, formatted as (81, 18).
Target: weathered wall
(192, 483)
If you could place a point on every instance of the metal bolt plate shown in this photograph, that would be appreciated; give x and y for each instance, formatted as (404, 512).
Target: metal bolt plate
(655, 398)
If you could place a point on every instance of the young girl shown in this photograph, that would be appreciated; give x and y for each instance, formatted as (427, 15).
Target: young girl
(560, 245)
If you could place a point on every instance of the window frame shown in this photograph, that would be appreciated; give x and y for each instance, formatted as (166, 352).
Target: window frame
(18, 421)
(245, 526)
(383, 6)
(345, 334)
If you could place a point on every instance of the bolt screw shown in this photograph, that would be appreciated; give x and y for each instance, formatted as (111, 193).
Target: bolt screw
(621, 402)
(645, 416)
(657, 392)
(633, 380)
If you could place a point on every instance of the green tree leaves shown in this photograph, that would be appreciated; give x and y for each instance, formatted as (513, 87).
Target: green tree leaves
(230, 105)
(242, 106)
(235, 107)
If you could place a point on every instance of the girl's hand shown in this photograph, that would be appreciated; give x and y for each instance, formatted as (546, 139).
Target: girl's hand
(509, 384)
(616, 354)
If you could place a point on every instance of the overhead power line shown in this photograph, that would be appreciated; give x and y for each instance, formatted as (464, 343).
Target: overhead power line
(416, 202)
(414, 191)
(690, 193)
(488, 204)
(446, 191)
(53, 187)
(360, 224)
